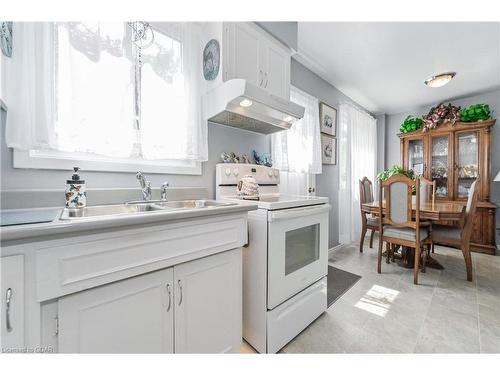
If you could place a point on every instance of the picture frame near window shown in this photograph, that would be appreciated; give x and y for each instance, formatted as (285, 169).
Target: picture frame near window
(327, 119)
(328, 150)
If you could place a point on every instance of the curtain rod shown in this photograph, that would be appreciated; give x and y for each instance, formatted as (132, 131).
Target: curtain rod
(359, 108)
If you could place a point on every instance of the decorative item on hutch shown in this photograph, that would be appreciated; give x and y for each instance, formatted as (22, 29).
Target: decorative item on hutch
(476, 112)
(410, 124)
(441, 114)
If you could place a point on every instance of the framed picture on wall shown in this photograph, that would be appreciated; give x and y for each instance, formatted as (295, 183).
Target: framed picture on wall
(328, 119)
(328, 150)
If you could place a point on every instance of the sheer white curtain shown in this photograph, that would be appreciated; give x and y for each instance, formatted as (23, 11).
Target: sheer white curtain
(299, 148)
(297, 151)
(70, 87)
(28, 87)
(95, 88)
(172, 85)
(357, 158)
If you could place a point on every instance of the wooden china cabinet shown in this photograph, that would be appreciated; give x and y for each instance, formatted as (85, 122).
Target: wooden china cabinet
(453, 156)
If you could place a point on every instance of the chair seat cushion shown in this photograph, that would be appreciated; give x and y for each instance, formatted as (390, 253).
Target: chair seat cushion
(407, 234)
(373, 221)
(445, 232)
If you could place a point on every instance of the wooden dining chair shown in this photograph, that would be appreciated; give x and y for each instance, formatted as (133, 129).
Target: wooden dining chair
(460, 237)
(367, 221)
(427, 190)
(398, 226)
(428, 194)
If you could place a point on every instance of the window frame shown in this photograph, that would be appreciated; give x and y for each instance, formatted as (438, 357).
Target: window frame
(54, 160)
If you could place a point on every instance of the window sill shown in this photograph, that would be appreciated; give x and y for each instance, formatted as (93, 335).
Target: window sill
(49, 159)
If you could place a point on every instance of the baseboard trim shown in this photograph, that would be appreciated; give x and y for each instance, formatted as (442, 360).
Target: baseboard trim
(331, 250)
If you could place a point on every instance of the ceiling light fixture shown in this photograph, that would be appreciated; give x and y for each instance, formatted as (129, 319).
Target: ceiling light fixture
(246, 103)
(440, 79)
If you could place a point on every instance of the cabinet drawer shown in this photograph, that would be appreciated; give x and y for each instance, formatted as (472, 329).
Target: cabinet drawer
(82, 262)
(294, 315)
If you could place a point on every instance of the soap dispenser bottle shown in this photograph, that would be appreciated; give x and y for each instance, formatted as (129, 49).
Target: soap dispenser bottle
(76, 196)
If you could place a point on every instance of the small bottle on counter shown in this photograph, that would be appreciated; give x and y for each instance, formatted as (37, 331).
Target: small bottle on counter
(76, 196)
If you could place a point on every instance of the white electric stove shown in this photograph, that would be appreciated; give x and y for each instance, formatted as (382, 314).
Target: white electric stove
(286, 260)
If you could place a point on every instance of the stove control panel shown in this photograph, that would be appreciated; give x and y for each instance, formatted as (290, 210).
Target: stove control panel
(231, 173)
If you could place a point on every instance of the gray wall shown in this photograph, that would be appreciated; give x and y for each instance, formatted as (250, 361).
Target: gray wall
(381, 123)
(327, 182)
(492, 98)
(286, 32)
(220, 138)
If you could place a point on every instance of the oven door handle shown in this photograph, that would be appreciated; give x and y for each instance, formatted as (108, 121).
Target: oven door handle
(298, 212)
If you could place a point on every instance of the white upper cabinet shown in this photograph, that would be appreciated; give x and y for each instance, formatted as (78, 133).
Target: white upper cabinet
(252, 54)
(277, 70)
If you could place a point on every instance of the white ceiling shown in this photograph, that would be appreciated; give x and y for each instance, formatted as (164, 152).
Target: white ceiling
(382, 66)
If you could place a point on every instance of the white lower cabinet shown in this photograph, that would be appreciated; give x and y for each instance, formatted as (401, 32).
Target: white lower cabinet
(193, 307)
(12, 315)
(130, 316)
(208, 309)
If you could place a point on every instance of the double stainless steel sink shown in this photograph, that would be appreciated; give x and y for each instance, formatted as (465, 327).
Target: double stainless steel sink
(136, 207)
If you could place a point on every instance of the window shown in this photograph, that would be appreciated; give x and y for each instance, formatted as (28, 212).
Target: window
(111, 102)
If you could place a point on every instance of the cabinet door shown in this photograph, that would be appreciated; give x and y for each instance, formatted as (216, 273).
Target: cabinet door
(276, 70)
(441, 152)
(466, 162)
(129, 316)
(208, 310)
(12, 316)
(244, 53)
(415, 155)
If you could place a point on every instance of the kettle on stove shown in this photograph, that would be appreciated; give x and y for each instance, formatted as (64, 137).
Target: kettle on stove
(248, 187)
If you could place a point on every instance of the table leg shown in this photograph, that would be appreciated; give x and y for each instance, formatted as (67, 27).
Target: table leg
(406, 259)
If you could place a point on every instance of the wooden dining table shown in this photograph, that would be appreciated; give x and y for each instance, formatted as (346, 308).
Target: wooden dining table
(429, 211)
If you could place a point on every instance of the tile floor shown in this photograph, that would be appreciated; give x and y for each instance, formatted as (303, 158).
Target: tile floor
(387, 313)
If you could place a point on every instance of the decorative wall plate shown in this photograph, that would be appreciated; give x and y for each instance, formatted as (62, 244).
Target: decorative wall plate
(6, 38)
(211, 60)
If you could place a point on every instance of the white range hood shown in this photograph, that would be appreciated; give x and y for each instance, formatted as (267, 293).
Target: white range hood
(242, 105)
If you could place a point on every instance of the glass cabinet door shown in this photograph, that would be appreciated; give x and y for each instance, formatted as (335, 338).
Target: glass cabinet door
(416, 154)
(467, 165)
(439, 164)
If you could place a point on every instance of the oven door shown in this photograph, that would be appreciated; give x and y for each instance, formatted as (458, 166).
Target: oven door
(298, 250)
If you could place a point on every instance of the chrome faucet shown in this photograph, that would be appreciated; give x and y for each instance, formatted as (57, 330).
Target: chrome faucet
(163, 191)
(145, 186)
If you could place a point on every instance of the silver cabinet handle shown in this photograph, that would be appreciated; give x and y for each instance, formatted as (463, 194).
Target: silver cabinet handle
(267, 80)
(180, 291)
(8, 297)
(261, 77)
(169, 297)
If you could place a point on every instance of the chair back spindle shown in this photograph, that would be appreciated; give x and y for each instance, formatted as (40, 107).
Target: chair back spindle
(470, 212)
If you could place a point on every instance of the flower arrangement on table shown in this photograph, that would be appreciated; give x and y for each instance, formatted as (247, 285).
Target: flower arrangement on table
(395, 169)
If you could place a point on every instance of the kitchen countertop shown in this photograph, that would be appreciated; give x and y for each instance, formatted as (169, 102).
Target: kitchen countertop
(58, 227)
